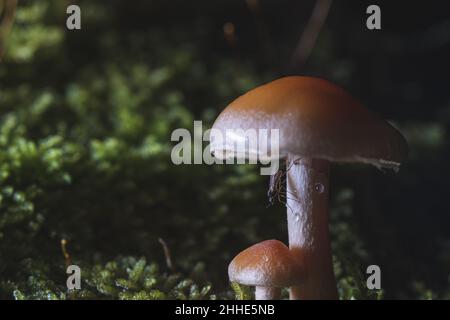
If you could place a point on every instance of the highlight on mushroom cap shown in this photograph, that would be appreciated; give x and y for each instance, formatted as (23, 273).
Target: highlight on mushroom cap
(315, 119)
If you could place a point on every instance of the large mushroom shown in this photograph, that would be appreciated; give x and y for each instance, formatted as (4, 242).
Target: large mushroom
(318, 122)
(269, 266)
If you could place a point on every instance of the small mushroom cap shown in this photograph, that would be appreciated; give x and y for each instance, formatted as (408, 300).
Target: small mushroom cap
(315, 119)
(268, 263)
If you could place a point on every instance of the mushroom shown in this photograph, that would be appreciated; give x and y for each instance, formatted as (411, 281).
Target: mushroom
(269, 266)
(318, 122)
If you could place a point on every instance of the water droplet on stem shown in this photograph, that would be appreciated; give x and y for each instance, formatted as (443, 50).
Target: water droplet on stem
(319, 187)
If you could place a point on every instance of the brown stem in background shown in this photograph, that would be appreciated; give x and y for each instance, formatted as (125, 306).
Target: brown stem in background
(264, 37)
(8, 13)
(310, 34)
(229, 33)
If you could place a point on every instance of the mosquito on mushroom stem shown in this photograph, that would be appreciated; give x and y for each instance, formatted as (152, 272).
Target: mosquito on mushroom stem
(277, 187)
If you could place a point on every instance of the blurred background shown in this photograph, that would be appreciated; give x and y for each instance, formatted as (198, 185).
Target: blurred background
(85, 123)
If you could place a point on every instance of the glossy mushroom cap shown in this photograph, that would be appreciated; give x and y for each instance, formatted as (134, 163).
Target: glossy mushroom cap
(316, 119)
(268, 263)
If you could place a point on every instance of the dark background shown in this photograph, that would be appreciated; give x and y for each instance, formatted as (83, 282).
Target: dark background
(113, 91)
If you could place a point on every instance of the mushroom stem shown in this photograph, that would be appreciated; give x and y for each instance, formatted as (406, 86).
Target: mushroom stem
(267, 293)
(309, 240)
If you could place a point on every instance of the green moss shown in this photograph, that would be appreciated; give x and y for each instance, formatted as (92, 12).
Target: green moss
(124, 278)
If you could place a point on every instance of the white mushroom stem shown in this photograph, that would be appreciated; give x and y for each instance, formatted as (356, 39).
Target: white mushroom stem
(267, 293)
(309, 240)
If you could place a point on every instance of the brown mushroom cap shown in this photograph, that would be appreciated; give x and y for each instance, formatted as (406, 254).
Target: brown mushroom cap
(268, 263)
(316, 119)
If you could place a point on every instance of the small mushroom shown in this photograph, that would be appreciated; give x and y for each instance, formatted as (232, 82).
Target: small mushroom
(318, 123)
(269, 266)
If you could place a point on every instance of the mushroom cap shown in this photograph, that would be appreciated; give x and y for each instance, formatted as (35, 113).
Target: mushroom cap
(269, 263)
(315, 119)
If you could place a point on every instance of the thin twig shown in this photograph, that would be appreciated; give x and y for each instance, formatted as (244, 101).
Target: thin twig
(66, 254)
(68, 261)
(169, 263)
(309, 36)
